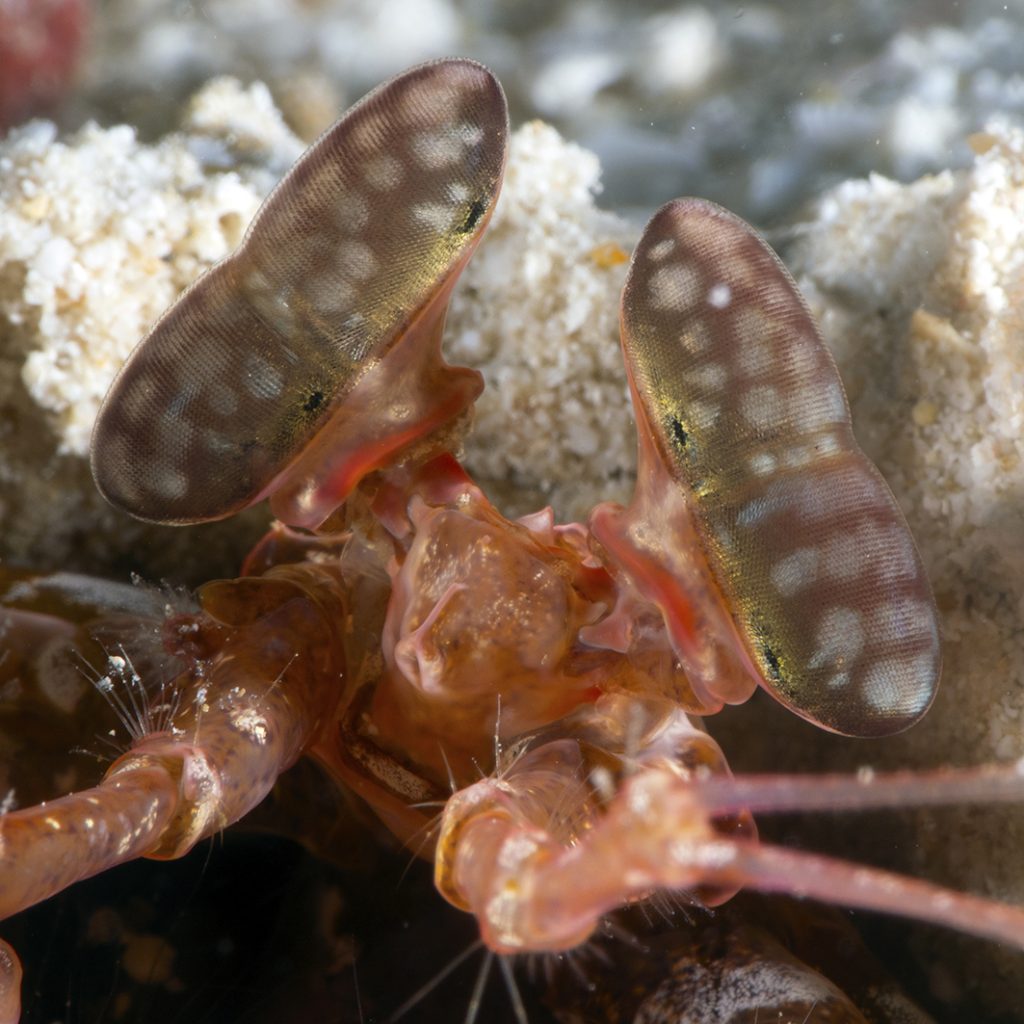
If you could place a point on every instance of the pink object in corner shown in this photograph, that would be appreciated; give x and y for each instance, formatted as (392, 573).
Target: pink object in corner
(40, 42)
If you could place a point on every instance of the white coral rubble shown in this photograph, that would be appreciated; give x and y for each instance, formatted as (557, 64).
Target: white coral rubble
(920, 290)
(538, 313)
(98, 233)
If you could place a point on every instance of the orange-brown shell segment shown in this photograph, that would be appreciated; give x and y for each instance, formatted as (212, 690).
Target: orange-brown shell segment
(365, 231)
(743, 402)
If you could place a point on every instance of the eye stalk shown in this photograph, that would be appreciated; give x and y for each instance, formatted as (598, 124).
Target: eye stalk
(773, 546)
(311, 355)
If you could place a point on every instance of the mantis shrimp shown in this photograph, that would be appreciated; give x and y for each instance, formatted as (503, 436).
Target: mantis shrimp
(541, 683)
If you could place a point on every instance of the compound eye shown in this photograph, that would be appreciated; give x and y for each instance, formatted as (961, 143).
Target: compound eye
(357, 244)
(742, 402)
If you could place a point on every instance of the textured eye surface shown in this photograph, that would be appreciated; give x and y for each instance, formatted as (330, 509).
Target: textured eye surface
(741, 397)
(358, 239)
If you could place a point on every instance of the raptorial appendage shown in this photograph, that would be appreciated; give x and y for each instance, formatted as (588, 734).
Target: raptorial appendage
(240, 717)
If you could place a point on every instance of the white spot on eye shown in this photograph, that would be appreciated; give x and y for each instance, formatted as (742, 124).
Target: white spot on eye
(383, 172)
(899, 558)
(798, 569)
(471, 134)
(221, 400)
(720, 295)
(814, 499)
(179, 404)
(675, 287)
(776, 498)
(661, 250)
(884, 684)
(435, 150)
(708, 377)
(844, 554)
(330, 294)
(354, 324)
(262, 380)
(762, 464)
(826, 445)
(839, 639)
(282, 313)
(355, 340)
(804, 359)
(696, 338)
(254, 281)
(704, 414)
(922, 671)
(457, 191)
(762, 406)
(763, 507)
(817, 404)
(798, 456)
(754, 358)
(840, 681)
(355, 260)
(438, 216)
(835, 398)
(350, 212)
(725, 538)
(896, 620)
(885, 550)
(217, 443)
(169, 483)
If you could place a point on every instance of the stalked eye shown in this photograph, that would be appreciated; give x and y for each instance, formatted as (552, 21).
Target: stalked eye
(352, 257)
(743, 416)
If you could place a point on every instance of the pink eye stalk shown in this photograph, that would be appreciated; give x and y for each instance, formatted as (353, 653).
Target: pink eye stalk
(792, 556)
(295, 365)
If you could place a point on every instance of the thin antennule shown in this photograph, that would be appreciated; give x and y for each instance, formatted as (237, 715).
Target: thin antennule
(741, 863)
(776, 869)
(862, 791)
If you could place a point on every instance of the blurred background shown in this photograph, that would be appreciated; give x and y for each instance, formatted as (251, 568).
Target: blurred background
(757, 105)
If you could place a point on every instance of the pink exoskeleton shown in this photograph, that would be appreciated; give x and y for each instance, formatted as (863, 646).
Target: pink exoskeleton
(542, 683)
